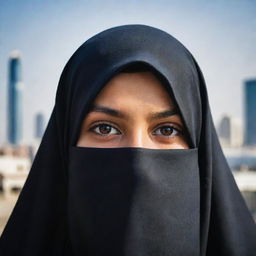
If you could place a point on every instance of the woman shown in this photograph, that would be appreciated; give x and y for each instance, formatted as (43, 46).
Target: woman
(130, 163)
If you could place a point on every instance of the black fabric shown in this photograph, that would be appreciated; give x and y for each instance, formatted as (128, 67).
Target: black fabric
(134, 201)
(46, 220)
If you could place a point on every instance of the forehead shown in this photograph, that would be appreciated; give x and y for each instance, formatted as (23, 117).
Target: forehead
(138, 88)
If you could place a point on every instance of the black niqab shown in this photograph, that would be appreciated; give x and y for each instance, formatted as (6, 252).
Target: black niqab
(134, 201)
(46, 219)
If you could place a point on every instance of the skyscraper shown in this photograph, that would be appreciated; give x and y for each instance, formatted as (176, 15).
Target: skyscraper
(230, 132)
(250, 112)
(15, 88)
(39, 125)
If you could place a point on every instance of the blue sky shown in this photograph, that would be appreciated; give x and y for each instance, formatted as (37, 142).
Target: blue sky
(221, 34)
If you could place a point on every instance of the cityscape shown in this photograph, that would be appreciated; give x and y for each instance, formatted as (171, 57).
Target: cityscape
(16, 157)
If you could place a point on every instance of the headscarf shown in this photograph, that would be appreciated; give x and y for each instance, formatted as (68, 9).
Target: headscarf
(46, 219)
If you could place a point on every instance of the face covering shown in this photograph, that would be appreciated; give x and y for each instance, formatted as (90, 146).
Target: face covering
(134, 201)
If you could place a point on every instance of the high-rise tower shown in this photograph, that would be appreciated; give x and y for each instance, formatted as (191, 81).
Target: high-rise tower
(15, 88)
(39, 125)
(250, 112)
(230, 132)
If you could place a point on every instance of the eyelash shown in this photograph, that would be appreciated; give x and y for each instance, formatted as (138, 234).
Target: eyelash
(92, 129)
(177, 131)
(174, 130)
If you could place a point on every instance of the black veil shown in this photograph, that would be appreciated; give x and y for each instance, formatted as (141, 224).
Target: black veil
(38, 224)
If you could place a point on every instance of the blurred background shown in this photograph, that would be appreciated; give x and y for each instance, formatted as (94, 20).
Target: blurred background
(37, 37)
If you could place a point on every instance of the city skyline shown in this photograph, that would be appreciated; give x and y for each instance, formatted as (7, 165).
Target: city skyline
(221, 36)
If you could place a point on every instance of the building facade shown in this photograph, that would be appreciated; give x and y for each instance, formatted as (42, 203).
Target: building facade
(15, 88)
(230, 132)
(250, 113)
(39, 125)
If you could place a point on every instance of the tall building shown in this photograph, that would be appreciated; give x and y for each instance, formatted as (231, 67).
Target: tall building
(39, 125)
(250, 112)
(15, 88)
(230, 132)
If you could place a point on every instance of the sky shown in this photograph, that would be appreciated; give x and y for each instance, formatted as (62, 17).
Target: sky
(221, 35)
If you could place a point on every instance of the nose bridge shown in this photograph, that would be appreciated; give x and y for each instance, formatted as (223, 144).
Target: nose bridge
(138, 138)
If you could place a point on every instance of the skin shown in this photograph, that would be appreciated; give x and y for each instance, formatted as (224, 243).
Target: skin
(133, 110)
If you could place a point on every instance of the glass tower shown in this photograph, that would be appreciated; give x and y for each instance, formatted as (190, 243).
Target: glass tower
(15, 88)
(250, 112)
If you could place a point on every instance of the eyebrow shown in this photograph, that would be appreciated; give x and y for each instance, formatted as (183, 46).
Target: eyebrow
(108, 111)
(164, 114)
(118, 114)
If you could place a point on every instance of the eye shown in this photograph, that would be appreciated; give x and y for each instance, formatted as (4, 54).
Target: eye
(104, 129)
(167, 130)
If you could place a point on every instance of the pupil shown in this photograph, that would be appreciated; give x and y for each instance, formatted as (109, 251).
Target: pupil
(105, 128)
(167, 131)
